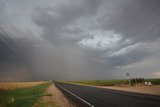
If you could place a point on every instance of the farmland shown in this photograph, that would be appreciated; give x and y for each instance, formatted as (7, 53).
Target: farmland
(18, 85)
(96, 82)
(110, 82)
(24, 94)
(154, 81)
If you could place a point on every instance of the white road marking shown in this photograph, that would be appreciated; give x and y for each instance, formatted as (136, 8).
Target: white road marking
(76, 96)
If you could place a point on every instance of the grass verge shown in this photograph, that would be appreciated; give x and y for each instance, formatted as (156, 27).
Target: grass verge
(23, 97)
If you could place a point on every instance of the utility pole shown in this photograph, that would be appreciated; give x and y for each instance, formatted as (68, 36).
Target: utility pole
(128, 76)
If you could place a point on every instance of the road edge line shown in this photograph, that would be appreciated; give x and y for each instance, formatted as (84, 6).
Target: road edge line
(76, 96)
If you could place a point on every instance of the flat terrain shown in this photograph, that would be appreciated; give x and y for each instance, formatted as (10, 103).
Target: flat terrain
(155, 89)
(55, 99)
(23, 94)
(18, 85)
(100, 97)
(145, 89)
(155, 81)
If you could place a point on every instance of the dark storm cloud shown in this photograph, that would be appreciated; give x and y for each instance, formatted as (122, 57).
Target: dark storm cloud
(11, 61)
(10, 64)
(84, 39)
(52, 20)
(136, 19)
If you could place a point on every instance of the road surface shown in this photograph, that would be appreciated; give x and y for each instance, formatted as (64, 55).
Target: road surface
(100, 97)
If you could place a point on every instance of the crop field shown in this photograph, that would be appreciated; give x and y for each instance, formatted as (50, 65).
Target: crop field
(111, 82)
(97, 82)
(22, 94)
(18, 85)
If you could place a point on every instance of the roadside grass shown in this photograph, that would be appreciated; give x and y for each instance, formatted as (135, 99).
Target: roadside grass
(46, 104)
(24, 97)
(110, 82)
(46, 101)
(155, 81)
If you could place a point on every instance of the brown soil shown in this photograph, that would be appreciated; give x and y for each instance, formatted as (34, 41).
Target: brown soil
(59, 97)
(145, 89)
(154, 89)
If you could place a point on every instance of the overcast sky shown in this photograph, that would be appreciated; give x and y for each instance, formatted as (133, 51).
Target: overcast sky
(81, 39)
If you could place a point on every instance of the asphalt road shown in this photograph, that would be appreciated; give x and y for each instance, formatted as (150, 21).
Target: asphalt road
(100, 97)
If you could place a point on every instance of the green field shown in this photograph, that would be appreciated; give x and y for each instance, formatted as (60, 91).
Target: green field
(97, 82)
(154, 81)
(25, 97)
(111, 82)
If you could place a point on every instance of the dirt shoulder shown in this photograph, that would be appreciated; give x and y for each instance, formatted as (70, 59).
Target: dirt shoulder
(59, 97)
(55, 98)
(154, 89)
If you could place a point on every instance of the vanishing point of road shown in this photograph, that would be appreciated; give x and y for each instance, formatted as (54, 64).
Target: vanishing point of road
(100, 97)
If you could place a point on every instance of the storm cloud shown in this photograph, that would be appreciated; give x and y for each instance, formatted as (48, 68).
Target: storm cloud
(84, 39)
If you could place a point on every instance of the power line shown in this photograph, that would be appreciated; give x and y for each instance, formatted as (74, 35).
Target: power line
(150, 33)
(17, 52)
(28, 66)
(19, 55)
(12, 43)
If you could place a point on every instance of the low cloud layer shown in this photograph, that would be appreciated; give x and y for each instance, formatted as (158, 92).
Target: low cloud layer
(84, 39)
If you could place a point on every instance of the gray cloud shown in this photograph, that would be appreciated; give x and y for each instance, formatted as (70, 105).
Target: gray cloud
(85, 39)
(55, 20)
